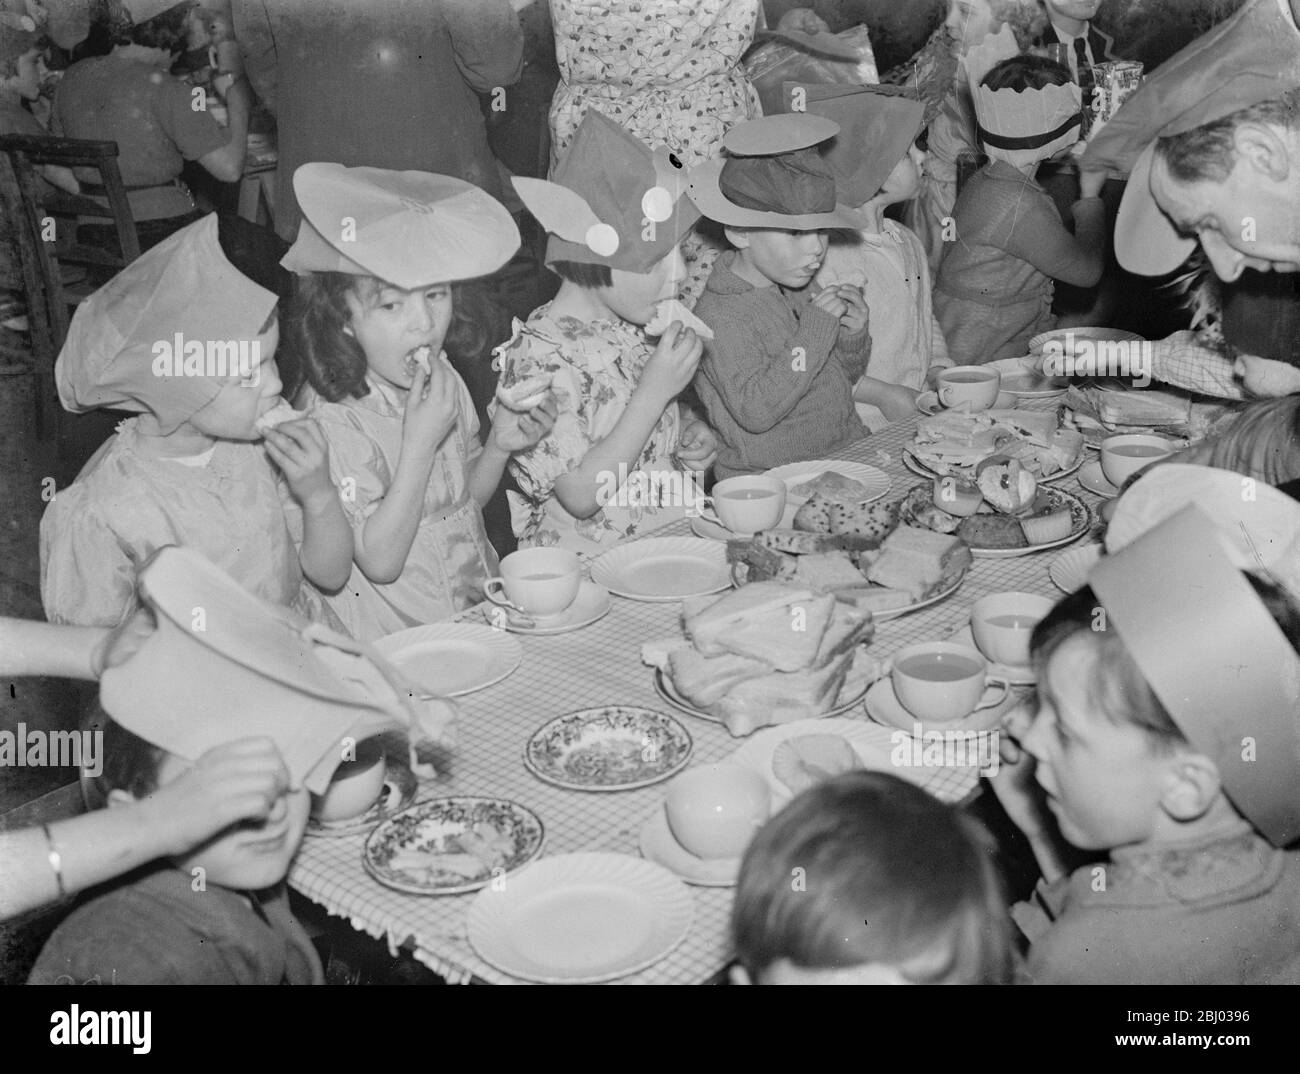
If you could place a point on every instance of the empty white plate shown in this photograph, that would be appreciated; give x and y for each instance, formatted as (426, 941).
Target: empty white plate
(450, 659)
(581, 918)
(1095, 481)
(663, 569)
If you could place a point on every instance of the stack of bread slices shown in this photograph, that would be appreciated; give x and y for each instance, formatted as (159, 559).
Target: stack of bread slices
(768, 653)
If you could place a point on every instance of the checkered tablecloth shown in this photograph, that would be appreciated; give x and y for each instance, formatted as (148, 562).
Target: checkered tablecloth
(601, 665)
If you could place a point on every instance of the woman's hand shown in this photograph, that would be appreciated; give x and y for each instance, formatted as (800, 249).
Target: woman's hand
(514, 431)
(672, 365)
(301, 452)
(230, 783)
(431, 410)
(697, 447)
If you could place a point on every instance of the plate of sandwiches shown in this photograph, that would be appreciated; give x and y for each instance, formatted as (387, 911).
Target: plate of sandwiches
(844, 482)
(769, 653)
(1007, 514)
(954, 443)
(860, 553)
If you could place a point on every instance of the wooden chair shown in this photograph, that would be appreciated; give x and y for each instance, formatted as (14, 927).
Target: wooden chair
(36, 213)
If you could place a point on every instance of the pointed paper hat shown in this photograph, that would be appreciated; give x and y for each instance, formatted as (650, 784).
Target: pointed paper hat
(1251, 57)
(224, 665)
(1020, 126)
(1215, 658)
(409, 229)
(184, 287)
(770, 154)
(876, 130)
(612, 201)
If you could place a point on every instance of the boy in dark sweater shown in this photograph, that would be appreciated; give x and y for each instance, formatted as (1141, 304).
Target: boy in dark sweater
(777, 378)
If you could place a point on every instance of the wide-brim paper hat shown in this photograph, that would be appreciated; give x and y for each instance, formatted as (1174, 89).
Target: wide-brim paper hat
(765, 140)
(1215, 657)
(182, 293)
(408, 229)
(144, 10)
(876, 131)
(223, 665)
(1021, 127)
(1254, 56)
(611, 200)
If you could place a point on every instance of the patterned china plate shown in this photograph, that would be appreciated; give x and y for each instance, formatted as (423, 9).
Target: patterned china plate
(663, 569)
(1080, 519)
(446, 846)
(581, 918)
(616, 748)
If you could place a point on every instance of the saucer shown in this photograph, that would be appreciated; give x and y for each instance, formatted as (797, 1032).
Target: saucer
(1091, 477)
(1017, 676)
(591, 603)
(714, 531)
(659, 845)
(928, 403)
(884, 707)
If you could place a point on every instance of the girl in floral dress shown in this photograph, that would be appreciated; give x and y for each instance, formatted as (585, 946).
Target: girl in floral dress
(667, 70)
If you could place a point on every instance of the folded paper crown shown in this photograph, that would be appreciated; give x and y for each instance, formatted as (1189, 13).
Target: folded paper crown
(183, 291)
(612, 200)
(1215, 658)
(409, 229)
(224, 665)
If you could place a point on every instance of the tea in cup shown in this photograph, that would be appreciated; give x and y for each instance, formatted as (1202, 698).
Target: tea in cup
(539, 582)
(1003, 622)
(969, 387)
(715, 809)
(940, 681)
(1123, 456)
(746, 505)
(355, 785)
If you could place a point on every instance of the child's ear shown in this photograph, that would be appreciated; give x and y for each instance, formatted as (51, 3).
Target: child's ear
(1264, 149)
(737, 237)
(1193, 784)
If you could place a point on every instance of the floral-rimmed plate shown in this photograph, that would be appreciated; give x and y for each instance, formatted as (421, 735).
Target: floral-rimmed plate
(581, 919)
(614, 748)
(1080, 523)
(400, 786)
(446, 846)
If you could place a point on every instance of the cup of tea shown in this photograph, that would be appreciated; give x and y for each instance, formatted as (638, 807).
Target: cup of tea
(1124, 455)
(940, 681)
(539, 582)
(746, 505)
(714, 809)
(1003, 622)
(355, 785)
(969, 387)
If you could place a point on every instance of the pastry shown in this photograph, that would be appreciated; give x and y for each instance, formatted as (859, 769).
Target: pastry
(873, 521)
(833, 486)
(807, 760)
(992, 531)
(1006, 484)
(1048, 521)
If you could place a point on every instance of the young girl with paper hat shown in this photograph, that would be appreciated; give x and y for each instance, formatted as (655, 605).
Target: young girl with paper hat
(218, 913)
(877, 164)
(778, 376)
(623, 450)
(188, 341)
(1166, 735)
(381, 251)
(995, 286)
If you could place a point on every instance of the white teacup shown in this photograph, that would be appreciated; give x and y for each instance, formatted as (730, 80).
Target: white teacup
(1003, 622)
(939, 681)
(746, 505)
(1124, 455)
(714, 809)
(354, 786)
(539, 582)
(969, 387)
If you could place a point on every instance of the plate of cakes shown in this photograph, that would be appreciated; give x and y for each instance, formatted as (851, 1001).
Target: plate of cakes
(1003, 513)
(954, 443)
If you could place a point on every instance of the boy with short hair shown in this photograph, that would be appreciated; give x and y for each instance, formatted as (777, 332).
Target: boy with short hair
(777, 379)
(896, 888)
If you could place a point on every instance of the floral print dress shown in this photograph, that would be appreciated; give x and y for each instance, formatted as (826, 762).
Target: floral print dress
(667, 70)
(595, 368)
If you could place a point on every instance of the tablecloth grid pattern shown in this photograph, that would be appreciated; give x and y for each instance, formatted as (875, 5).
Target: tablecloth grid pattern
(601, 665)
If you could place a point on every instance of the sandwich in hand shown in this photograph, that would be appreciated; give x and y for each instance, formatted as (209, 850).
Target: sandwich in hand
(526, 393)
(671, 310)
(278, 415)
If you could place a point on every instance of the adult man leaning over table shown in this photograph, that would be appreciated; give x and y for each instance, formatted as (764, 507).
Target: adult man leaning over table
(1211, 143)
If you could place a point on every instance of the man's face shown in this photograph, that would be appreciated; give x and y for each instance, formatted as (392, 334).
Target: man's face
(1250, 220)
(1083, 10)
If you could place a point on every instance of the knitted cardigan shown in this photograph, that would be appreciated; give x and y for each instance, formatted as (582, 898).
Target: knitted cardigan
(777, 378)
